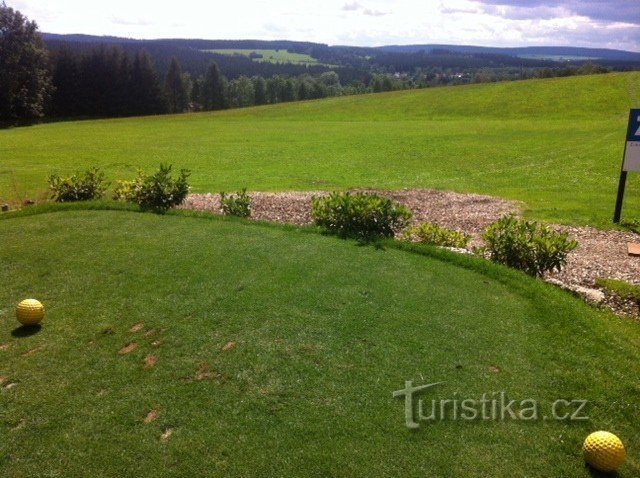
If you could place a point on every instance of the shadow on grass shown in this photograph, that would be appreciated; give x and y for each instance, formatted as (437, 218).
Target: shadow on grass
(600, 474)
(26, 330)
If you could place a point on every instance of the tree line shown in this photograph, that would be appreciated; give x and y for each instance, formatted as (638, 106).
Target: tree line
(107, 82)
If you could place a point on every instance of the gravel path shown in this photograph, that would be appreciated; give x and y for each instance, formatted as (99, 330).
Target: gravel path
(601, 254)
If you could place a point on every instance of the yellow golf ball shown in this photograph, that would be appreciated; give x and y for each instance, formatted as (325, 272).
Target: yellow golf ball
(604, 451)
(29, 312)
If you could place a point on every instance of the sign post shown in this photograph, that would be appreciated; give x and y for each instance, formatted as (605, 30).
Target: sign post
(630, 158)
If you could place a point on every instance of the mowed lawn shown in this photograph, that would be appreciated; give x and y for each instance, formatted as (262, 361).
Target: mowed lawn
(274, 351)
(555, 145)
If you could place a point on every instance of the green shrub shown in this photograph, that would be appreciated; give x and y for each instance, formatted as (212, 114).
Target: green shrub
(527, 246)
(79, 187)
(160, 192)
(127, 190)
(620, 288)
(238, 204)
(428, 233)
(363, 216)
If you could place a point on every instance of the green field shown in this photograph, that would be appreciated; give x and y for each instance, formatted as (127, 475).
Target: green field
(324, 332)
(555, 145)
(271, 56)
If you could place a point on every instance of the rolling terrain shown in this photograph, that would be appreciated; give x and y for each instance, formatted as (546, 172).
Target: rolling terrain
(554, 144)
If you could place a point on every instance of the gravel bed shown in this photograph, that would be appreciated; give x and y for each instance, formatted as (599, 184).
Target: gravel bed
(601, 254)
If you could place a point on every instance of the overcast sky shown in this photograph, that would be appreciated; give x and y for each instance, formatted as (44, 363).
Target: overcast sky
(587, 23)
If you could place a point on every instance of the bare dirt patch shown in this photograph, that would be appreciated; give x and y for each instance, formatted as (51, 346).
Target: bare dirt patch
(130, 347)
(33, 350)
(164, 438)
(204, 372)
(228, 346)
(136, 328)
(601, 254)
(150, 361)
(151, 416)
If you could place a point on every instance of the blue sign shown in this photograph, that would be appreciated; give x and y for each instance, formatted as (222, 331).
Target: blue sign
(631, 159)
(633, 131)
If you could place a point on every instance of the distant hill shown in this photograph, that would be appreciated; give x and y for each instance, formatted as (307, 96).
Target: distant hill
(351, 63)
(193, 54)
(542, 52)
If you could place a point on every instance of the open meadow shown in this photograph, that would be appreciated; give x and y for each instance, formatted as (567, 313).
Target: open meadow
(271, 56)
(555, 145)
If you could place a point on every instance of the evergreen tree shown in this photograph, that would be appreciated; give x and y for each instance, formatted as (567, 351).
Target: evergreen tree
(305, 87)
(188, 88)
(289, 90)
(272, 90)
(280, 85)
(124, 94)
(197, 103)
(213, 89)
(145, 87)
(174, 88)
(66, 83)
(260, 90)
(25, 81)
(112, 82)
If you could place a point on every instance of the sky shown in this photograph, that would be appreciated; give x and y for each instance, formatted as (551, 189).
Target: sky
(585, 23)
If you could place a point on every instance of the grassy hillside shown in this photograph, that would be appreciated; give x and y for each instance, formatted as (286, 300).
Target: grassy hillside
(321, 332)
(554, 144)
(271, 56)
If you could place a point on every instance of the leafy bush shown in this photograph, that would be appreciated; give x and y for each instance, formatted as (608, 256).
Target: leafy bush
(127, 190)
(363, 216)
(428, 233)
(527, 246)
(159, 192)
(238, 204)
(620, 288)
(79, 187)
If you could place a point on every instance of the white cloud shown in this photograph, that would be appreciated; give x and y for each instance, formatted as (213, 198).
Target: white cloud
(351, 7)
(374, 13)
(602, 11)
(131, 21)
(356, 22)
